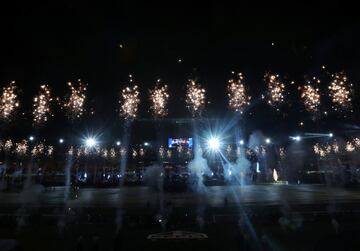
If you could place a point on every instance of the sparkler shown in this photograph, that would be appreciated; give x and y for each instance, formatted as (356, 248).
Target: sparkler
(74, 104)
(195, 98)
(238, 100)
(42, 105)
(340, 92)
(159, 97)
(8, 101)
(130, 102)
(275, 89)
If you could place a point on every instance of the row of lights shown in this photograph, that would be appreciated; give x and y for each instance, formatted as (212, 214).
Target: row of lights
(214, 143)
(89, 142)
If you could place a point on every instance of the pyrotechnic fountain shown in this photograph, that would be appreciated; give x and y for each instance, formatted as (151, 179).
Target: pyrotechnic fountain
(74, 107)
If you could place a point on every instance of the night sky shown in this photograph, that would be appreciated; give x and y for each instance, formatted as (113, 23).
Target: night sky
(55, 43)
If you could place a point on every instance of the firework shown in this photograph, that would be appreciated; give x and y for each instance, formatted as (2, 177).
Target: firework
(38, 149)
(74, 104)
(340, 92)
(71, 151)
(49, 150)
(42, 105)
(335, 147)
(159, 97)
(8, 101)
(104, 153)
(21, 148)
(195, 98)
(123, 151)
(357, 142)
(112, 153)
(349, 147)
(8, 145)
(134, 153)
(311, 96)
(276, 89)
(238, 100)
(130, 102)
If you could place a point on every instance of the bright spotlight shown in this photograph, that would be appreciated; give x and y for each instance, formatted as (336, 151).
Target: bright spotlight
(146, 143)
(61, 141)
(296, 138)
(331, 135)
(267, 141)
(31, 138)
(241, 142)
(90, 142)
(214, 144)
(118, 143)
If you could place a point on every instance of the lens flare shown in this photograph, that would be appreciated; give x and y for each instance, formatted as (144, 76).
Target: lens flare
(238, 100)
(159, 98)
(340, 92)
(42, 105)
(8, 101)
(195, 98)
(276, 89)
(74, 104)
(129, 102)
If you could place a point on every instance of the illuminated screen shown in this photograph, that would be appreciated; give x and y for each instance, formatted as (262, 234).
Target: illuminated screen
(187, 142)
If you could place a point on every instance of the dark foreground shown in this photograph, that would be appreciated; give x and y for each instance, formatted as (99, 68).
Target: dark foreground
(256, 217)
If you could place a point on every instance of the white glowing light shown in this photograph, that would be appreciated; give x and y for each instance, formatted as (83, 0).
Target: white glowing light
(268, 141)
(90, 142)
(118, 143)
(61, 141)
(214, 144)
(31, 138)
(241, 142)
(331, 135)
(296, 138)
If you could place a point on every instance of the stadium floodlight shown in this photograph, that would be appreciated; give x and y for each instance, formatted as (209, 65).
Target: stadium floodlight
(31, 138)
(296, 138)
(118, 143)
(214, 144)
(331, 135)
(90, 142)
(267, 141)
(61, 141)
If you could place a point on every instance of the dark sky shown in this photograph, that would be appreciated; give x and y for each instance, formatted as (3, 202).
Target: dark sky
(58, 42)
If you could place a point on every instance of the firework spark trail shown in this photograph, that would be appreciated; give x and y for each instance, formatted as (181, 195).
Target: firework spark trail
(159, 98)
(311, 96)
(42, 105)
(276, 89)
(8, 101)
(238, 100)
(74, 104)
(195, 98)
(340, 92)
